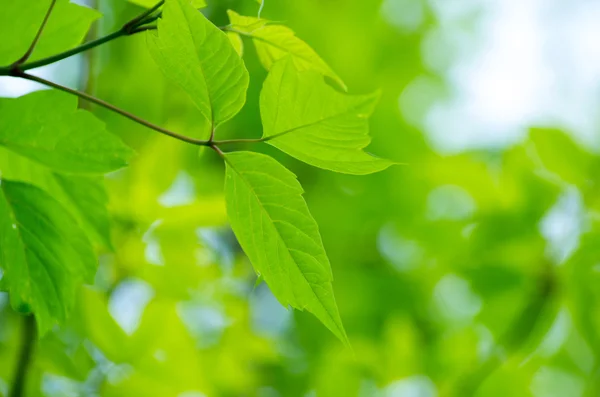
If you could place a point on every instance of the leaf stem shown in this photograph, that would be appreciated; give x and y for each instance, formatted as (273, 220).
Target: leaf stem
(25, 355)
(29, 51)
(113, 108)
(140, 19)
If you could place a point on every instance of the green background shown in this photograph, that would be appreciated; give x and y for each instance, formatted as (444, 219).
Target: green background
(457, 273)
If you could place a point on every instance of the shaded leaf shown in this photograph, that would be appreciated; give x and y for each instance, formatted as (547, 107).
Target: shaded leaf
(199, 57)
(88, 198)
(85, 197)
(47, 127)
(309, 120)
(274, 227)
(43, 252)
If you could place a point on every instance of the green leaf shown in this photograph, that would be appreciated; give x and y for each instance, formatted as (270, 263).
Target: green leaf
(561, 156)
(47, 127)
(20, 21)
(84, 197)
(274, 42)
(309, 120)
(274, 227)
(43, 252)
(150, 3)
(236, 42)
(199, 57)
(88, 199)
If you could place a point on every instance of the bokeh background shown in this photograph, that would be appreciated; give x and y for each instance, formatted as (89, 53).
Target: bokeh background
(472, 269)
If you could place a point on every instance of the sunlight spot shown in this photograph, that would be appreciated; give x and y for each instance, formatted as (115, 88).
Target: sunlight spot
(406, 15)
(127, 303)
(563, 225)
(414, 386)
(455, 300)
(206, 322)
(181, 191)
(449, 203)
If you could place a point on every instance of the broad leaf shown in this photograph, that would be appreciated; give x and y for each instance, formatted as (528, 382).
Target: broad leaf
(20, 21)
(88, 198)
(43, 252)
(199, 57)
(47, 127)
(274, 42)
(84, 197)
(309, 120)
(274, 227)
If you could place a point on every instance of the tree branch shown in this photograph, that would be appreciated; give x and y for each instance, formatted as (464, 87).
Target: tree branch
(111, 107)
(25, 356)
(29, 51)
(130, 28)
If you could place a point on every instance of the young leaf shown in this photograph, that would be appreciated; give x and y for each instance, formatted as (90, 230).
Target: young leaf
(236, 42)
(274, 227)
(199, 57)
(274, 42)
(311, 121)
(20, 21)
(43, 252)
(47, 127)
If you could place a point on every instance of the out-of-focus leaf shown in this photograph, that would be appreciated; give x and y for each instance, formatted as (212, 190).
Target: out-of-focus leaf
(95, 322)
(274, 227)
(20, 20)
(151, 3)
(43, 252)
(561, 156)
(199, 57)
(274, 42)
(47, 127)
(311, 121)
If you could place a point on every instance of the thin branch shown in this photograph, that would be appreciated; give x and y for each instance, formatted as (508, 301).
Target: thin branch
(25, 356)
(130, 28)
(29, 51)
(113, 108)
(240, 141)
(72, 51)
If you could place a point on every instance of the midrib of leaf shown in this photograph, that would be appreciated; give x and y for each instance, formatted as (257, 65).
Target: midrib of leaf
(251, 188)
(316, 122)
(210, 100)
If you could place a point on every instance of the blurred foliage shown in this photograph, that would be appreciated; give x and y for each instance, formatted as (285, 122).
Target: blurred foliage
(455, 275)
